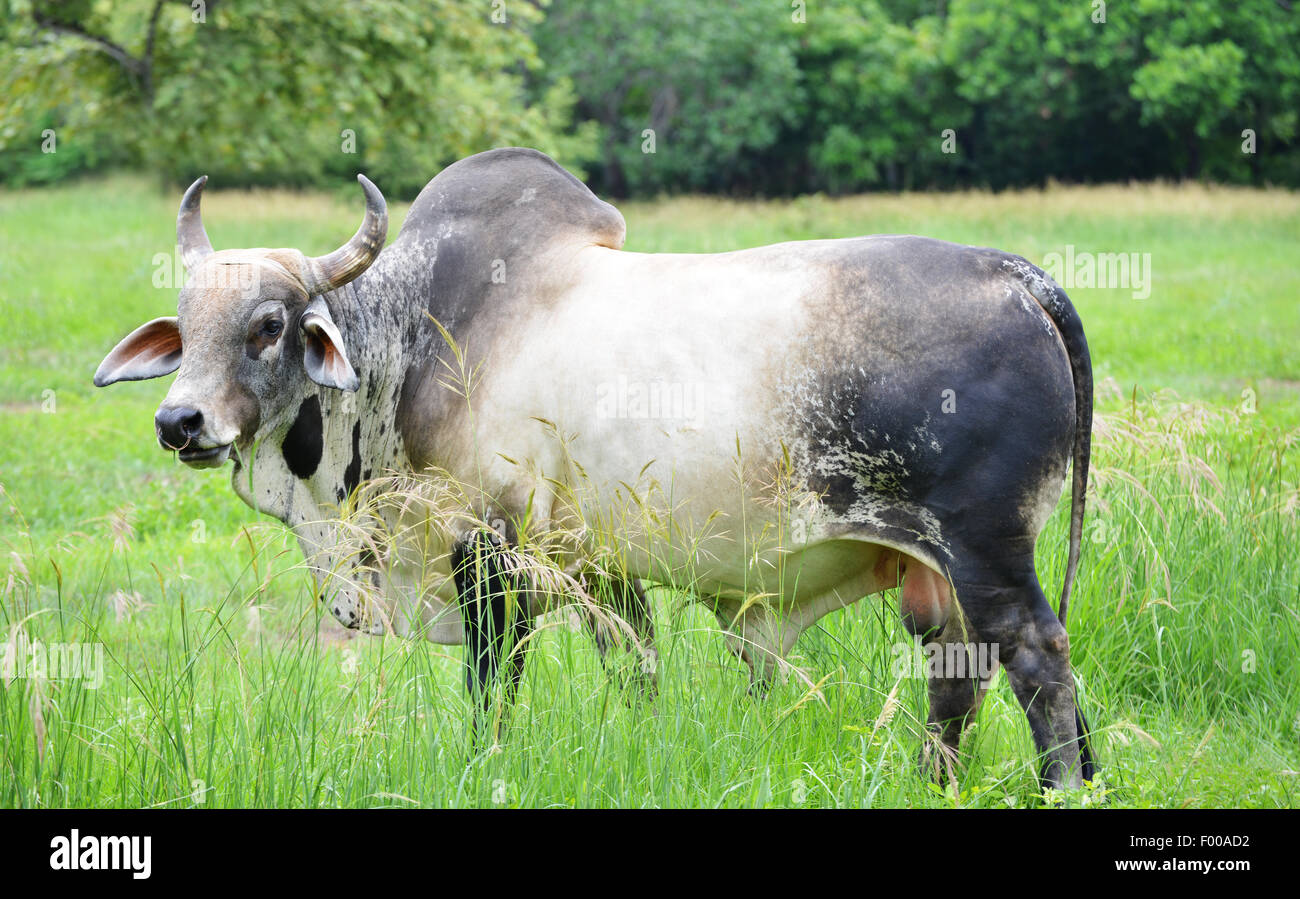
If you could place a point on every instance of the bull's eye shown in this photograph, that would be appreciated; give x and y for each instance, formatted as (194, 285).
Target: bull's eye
(272, 327)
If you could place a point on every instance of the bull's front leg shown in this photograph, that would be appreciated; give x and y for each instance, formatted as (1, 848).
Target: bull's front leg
(345, 585)
(352, 605)
(625, 598)
(493, 599)
(379, 594)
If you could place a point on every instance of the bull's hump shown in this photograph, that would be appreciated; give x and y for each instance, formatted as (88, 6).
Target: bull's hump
(516, 190)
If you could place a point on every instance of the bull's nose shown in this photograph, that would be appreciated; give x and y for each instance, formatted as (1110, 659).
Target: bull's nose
(178, 426)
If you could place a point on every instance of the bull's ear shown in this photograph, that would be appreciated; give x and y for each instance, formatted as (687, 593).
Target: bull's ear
(323, 354)
(150, 351)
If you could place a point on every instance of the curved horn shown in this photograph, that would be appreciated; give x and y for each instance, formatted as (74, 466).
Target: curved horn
(190, 236)
(326, 273)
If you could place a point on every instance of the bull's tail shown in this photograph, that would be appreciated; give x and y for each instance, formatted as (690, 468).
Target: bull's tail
(1058, 306)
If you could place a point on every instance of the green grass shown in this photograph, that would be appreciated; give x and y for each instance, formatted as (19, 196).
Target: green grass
(223, 686)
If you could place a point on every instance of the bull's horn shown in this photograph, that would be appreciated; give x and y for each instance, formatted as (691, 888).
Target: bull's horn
(190, 236)
(326, 273)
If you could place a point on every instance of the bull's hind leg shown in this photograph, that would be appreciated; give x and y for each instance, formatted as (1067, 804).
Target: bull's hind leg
(496, 625)
(957, 668)
(959, 672)
(1015, 617)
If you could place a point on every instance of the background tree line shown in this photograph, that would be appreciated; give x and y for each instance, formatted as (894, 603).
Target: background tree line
(733, 96)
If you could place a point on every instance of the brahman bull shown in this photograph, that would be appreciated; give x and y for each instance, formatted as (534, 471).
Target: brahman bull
(806, 423)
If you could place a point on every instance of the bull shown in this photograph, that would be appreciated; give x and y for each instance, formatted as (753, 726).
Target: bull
(912, 405)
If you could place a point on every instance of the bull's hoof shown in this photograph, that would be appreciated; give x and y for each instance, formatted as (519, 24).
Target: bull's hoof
(1054, 776)
(647, 689)
(639, 688)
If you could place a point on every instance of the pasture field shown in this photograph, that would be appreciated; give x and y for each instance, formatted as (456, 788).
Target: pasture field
(223, 686)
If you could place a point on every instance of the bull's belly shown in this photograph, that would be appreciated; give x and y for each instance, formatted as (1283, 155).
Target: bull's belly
(725, 544)
(752, 537)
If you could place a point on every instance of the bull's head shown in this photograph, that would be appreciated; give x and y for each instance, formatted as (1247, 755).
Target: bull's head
(252, 327)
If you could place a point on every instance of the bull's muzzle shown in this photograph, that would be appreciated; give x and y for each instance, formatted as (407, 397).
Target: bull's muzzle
(180, 428)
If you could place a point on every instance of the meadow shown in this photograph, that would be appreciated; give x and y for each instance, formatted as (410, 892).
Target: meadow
(223, 684)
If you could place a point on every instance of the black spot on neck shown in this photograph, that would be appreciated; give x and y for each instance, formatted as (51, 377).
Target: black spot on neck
(352, 476)
(304, 444)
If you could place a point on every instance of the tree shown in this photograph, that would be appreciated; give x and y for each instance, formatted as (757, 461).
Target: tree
(879, 99)
(1210, 72)
(722, 96)
(296, 92)
(688, 95)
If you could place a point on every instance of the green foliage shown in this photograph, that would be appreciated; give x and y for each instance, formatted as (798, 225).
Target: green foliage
(879, 97)
(298, 92)
(717, 84)
(732, 96)
(1032, 89)
(1208, 72)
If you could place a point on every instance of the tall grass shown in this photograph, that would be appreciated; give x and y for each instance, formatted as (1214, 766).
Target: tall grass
(226, 684)
(1184, 636)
